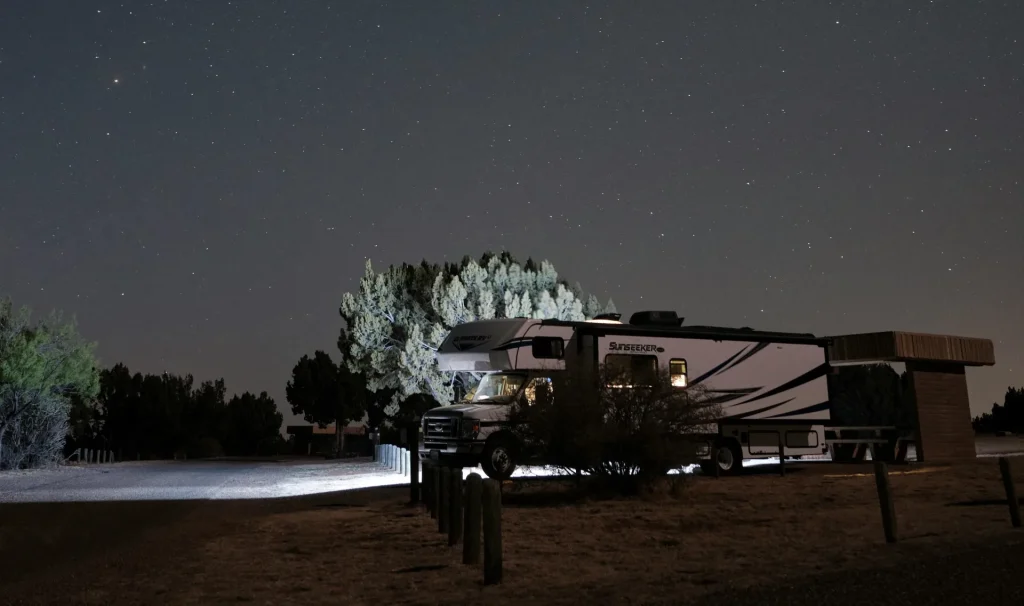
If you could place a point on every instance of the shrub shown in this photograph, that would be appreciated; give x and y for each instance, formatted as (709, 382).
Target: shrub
(623, 430)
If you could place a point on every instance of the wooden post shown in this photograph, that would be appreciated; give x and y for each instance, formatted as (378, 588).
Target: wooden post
(428, 484)
(782, 455)
(435, 490)
(414, 464)
(885, 501)
(455, 507)
(490, 505)
(471, 521)
(715, 470)
(444, 487)
(1011, 491)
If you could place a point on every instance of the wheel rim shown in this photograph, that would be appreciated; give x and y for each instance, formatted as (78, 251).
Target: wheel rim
(500, 460)
(725, 459)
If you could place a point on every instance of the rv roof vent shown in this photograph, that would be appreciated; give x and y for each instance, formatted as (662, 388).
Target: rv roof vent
(609, 316)
(655, 318)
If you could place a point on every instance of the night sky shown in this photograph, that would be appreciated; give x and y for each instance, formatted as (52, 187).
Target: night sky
(198, 182)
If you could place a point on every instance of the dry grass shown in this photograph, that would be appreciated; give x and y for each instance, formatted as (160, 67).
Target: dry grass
(731, 532)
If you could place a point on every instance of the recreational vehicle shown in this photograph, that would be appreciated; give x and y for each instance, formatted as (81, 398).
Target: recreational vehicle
(769, 386)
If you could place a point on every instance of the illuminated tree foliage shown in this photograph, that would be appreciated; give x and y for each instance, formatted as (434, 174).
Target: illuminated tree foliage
(399, 317)
(42, 366)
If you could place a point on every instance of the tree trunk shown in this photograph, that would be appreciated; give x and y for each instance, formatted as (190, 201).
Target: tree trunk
(337, 432)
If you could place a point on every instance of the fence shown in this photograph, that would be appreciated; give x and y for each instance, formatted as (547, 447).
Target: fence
(885, 498)
(467, 510)
(91, 455)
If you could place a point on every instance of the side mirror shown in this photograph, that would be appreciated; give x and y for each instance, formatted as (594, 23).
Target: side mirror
(548, 348)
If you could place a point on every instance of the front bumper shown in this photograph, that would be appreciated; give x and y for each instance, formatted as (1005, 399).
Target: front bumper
(458, 453)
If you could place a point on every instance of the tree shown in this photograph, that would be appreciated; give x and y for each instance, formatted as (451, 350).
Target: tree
(41, 367)
(399, 317)
(1008, 417)
(869, 395)
(158, 415)
(324, 393)
(252, 424)
(621, 428)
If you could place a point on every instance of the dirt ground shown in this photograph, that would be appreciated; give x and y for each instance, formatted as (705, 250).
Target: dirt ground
(369, 547)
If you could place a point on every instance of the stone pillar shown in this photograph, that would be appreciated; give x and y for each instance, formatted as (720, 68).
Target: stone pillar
(943, 411)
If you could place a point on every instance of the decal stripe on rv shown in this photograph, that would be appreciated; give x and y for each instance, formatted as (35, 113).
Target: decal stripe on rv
(514, 344)
(807, 377)
(717, 368)
(759, 347)
(809, 409)
(750, 413)
(728, 395)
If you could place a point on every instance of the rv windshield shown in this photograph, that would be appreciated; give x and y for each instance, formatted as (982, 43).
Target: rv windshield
(498, 387)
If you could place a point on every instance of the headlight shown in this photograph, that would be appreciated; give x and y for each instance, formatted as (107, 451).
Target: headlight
(470, 427)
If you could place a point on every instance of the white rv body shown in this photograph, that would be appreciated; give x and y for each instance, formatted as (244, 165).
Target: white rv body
(770, 386)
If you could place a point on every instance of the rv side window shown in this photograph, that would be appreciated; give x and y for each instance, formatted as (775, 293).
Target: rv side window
(634, 370)
(677, 372)
(548, 348)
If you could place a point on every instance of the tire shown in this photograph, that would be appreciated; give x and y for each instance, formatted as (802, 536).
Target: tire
(730, 460)
(498, 459)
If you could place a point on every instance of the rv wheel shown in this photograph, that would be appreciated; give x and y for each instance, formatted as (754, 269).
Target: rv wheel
(730, 460)
(498, 460)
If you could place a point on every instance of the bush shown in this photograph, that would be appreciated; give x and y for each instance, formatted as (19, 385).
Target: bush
(42, 366)
(624, 432)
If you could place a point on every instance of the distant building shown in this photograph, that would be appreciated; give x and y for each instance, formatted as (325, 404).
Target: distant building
(315, 440)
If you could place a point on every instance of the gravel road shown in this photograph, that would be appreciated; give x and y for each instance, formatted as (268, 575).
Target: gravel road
(187, 480)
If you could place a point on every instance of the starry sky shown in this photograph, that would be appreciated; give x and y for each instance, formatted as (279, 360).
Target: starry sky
(200, 181)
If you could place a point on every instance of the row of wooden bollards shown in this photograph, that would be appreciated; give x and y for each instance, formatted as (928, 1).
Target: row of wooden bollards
(464, 511)
(94, 455)
(394, 458)
(889, 510)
